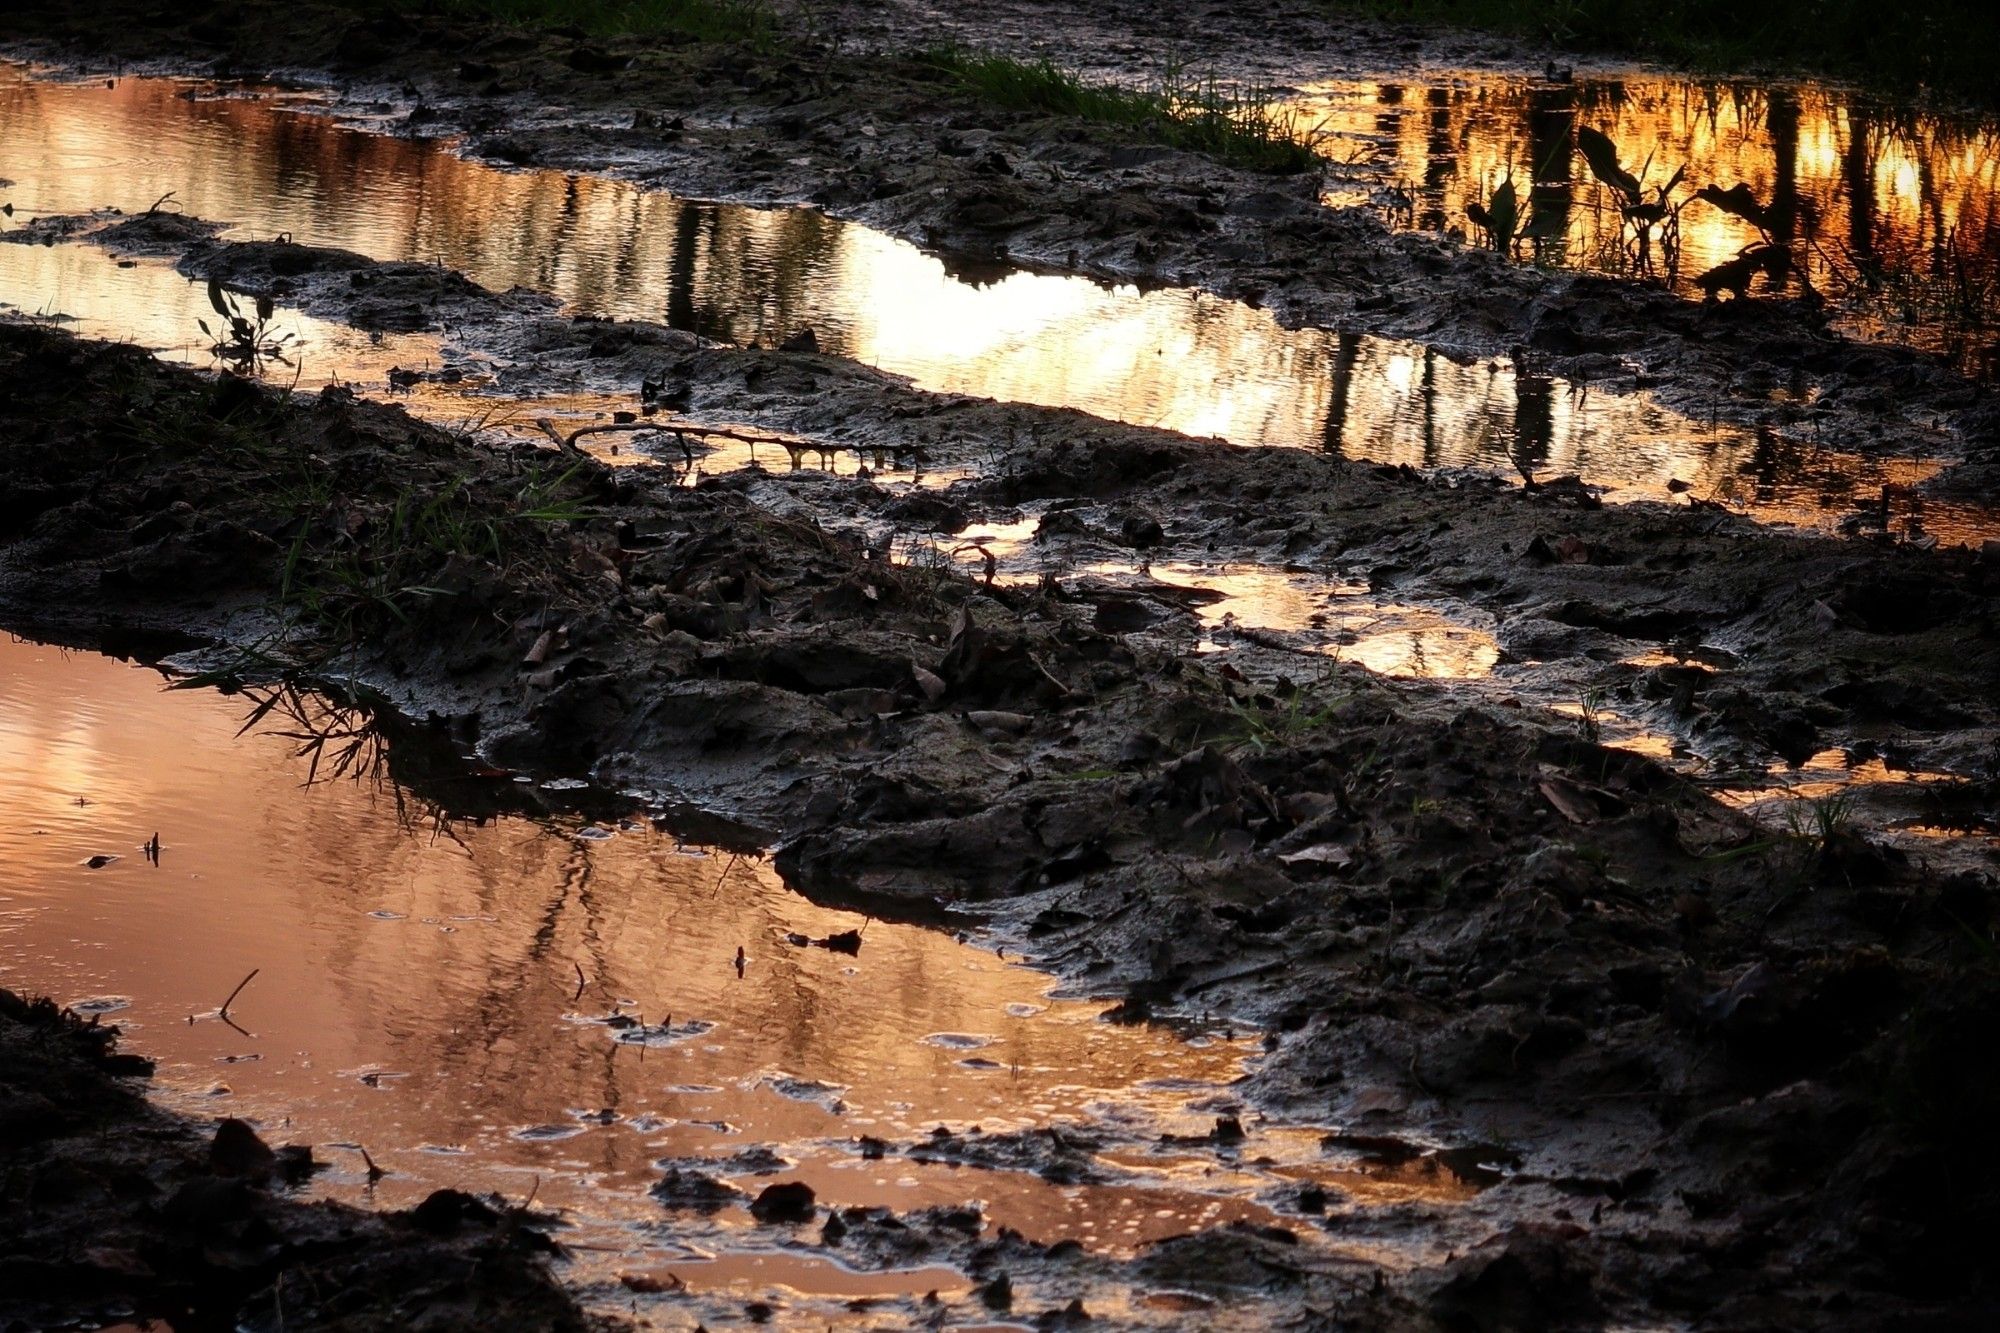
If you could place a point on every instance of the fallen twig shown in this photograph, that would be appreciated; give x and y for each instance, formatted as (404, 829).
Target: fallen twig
(223, 1012)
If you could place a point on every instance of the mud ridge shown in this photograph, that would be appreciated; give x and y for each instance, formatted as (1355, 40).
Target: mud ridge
(1749, 645)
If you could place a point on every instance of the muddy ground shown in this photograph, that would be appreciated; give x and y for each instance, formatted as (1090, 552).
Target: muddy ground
(1782, 645)
(114, 1210)
(840, 116)
(1461, 924)
(1734, 1077)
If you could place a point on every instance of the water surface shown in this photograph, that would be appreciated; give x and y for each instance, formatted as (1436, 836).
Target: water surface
(433, 988)
(1891, 211)
(266, 163)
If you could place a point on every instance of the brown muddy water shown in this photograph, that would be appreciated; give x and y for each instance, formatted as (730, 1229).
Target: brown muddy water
(264, 162)
(1892, 213)
(434, 988)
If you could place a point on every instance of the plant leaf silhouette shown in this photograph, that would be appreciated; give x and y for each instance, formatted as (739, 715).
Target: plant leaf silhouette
(1602, 154)
(1738, 201)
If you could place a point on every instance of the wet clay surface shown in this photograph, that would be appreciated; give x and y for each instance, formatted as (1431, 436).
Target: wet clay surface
(497, 1002)
(1343, 857)
(261, 165)
(115, 1211)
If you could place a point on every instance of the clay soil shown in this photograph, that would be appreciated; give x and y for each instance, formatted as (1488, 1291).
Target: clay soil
(1733, 1076)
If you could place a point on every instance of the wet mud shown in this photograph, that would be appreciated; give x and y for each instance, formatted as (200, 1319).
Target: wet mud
(1701, 1057)
(1465, 924)
(116, 1211)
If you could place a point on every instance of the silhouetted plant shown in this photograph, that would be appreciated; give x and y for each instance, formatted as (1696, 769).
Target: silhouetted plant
(1764, 255)
(1644, 211)
(244, 341)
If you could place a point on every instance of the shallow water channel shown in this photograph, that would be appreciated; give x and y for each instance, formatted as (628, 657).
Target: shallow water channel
(434, 988)
(271, 163)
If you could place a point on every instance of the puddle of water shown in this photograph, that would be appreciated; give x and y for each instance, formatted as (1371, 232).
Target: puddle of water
(1339, 620)
(1891, 206)
(146, 302)
(1173, 359)
(1938, 816)
(434, 990)
(1316, 613)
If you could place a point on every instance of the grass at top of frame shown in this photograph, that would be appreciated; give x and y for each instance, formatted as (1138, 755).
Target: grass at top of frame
(1241, 126)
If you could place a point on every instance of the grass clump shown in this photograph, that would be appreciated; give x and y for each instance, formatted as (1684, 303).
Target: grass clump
(1946, 47)
(750, 22)
(1243, 126)
(354, 567)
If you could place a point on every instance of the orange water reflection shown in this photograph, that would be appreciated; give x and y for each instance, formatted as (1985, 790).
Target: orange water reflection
(1877, 201)
(1174, 359)
(432, 989)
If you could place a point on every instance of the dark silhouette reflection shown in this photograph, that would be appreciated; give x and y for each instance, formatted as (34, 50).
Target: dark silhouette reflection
(1347, 352)
(1783, 118)
(1551, 145)
(1857, 173)
(1534, 420)
(1871, 198)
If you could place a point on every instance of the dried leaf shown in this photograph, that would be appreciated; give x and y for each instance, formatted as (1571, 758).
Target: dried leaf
(928, 681)
(1570, 801)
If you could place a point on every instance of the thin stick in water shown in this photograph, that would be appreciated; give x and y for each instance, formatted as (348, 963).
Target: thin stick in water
(224, 1011)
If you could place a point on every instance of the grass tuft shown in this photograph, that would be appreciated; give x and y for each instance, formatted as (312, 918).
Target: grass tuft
(1243, 126)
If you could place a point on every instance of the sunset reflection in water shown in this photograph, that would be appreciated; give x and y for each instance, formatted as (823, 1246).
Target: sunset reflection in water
(1180, 360)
